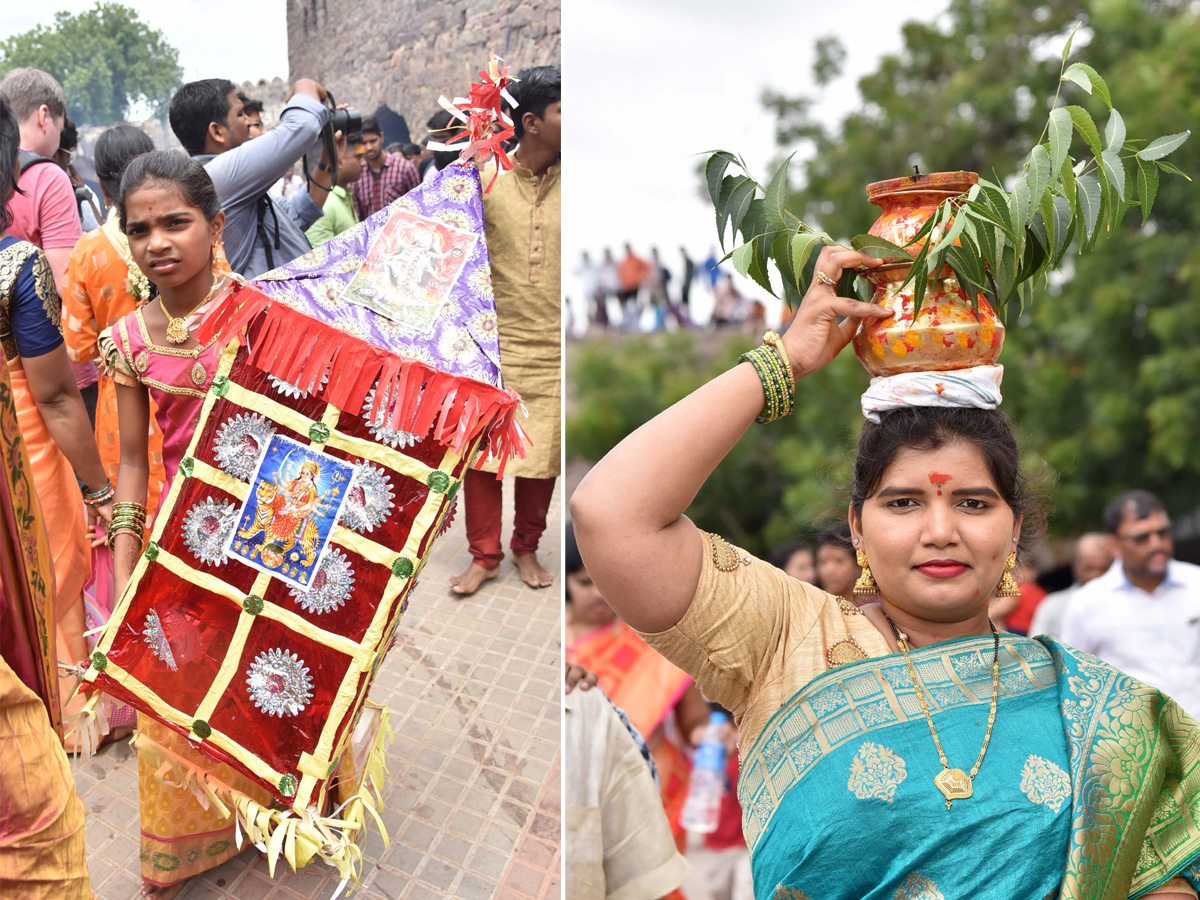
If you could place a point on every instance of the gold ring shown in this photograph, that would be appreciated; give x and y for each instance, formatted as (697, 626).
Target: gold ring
(825, 279)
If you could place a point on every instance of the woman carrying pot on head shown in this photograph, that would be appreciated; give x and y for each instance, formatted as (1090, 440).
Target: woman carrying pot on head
(880, 743)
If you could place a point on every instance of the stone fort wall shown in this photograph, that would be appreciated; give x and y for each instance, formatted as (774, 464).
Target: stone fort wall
(405, 53)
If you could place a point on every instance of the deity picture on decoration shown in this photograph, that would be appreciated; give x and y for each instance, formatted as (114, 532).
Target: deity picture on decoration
(295, 498)
(411, 269)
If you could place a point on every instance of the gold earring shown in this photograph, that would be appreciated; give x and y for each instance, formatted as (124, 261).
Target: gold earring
(866, 581)
(1008, 584)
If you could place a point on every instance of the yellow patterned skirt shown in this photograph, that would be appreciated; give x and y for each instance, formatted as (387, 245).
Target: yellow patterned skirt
(180, 837)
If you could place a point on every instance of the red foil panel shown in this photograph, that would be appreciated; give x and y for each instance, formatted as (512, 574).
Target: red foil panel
(274, 717)
(195, 531)
(350, 618)
(175, 639)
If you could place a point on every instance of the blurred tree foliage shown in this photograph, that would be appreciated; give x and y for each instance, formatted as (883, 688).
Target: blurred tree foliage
(1102, 372)
(785, 480)
(106, 59)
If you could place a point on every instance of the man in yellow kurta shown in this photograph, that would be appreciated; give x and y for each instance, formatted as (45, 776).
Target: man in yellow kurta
(522, 214)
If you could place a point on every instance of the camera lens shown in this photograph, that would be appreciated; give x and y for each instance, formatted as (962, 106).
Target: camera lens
(347, 121)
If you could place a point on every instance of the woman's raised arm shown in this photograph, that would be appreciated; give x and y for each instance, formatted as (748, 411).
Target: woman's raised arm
(636, 542)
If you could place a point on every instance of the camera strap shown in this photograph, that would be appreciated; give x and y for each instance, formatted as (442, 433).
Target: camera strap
(329, 141)
(264, 204)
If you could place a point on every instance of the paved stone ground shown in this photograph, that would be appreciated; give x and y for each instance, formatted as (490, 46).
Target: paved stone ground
(473, 807)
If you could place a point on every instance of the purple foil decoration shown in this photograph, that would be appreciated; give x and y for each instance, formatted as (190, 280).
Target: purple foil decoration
(462, 339)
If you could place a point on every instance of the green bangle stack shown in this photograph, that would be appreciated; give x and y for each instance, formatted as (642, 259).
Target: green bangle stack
(128, 518)
(776, 377)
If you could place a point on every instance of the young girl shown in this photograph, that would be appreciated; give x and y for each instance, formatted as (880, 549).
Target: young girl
(169, 211)
(103, 283)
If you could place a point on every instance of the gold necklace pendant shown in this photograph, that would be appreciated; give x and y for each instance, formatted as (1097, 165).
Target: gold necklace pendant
(955, 784)
(177, 332)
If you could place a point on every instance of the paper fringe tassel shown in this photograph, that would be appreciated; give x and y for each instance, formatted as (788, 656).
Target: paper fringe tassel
(91, 724)
(485, 127)
(301, 350)
(297, 836)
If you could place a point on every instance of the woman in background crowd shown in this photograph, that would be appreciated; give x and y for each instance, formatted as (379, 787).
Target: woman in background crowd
(52, 416)
(103, 284)
(797, 559)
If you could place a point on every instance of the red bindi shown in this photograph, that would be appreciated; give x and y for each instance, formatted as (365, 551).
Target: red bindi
(937, 479)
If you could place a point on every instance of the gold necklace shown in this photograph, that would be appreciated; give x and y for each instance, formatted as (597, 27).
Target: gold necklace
(177, 330)
(955, 784)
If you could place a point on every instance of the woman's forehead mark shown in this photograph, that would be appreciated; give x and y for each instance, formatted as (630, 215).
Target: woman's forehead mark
(937, 479)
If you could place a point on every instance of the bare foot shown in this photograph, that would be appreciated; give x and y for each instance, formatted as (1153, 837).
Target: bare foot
(162, 893)
(469, 581)
(532, 572)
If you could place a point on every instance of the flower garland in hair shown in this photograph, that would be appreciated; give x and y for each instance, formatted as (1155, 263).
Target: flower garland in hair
(139, 285)
(484, 125)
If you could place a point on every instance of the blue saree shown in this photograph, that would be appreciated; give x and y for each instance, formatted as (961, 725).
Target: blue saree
(1090, 787)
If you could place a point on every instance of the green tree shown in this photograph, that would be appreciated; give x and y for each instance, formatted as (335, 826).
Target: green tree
(1102, 371)
(106, 59)
(781, 481)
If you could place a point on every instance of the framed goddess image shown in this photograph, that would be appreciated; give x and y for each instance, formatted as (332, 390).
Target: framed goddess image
(295, 498)
(411, 269)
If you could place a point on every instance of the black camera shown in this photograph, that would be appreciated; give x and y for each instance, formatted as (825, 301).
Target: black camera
(348, 121)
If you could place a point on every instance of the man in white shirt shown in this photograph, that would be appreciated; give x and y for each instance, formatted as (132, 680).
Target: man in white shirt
(1091, 557)
(618, 844)
(1143, 614)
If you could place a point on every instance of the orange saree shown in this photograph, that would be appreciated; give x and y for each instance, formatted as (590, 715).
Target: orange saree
(41, 815)
(53, 479)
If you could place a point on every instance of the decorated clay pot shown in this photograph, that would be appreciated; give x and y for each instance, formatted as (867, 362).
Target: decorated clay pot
(947, 334)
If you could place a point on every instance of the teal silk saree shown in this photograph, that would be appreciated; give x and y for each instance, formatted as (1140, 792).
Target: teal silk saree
(1090, 787)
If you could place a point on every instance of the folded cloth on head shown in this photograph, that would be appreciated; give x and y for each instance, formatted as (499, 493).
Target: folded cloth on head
(976, 388)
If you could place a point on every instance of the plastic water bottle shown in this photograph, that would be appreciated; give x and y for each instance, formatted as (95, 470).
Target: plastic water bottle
(706, 786)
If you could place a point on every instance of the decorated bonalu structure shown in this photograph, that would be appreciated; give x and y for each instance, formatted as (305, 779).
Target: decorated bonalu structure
(357, 384)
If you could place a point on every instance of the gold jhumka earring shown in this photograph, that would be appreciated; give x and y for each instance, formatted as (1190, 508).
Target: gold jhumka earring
(1008, 584)
(866, 581)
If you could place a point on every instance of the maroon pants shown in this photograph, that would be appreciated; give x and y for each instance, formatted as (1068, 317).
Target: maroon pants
(483, 500)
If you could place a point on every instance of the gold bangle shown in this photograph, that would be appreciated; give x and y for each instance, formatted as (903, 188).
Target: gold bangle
(123, 526)
(776, 341)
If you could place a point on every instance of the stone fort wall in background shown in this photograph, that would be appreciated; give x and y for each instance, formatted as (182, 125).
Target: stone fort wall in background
(405, 53)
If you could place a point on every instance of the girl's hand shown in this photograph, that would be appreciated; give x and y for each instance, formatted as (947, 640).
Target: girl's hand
(98, 518)
(815, 336)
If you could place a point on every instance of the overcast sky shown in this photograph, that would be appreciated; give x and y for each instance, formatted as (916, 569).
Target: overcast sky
(242, 40)
(651, 86)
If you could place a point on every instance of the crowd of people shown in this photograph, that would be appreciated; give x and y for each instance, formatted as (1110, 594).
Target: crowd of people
(103, 380)
(647, 293)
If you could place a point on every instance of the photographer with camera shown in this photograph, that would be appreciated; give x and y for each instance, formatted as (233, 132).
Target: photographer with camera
(262, 231)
